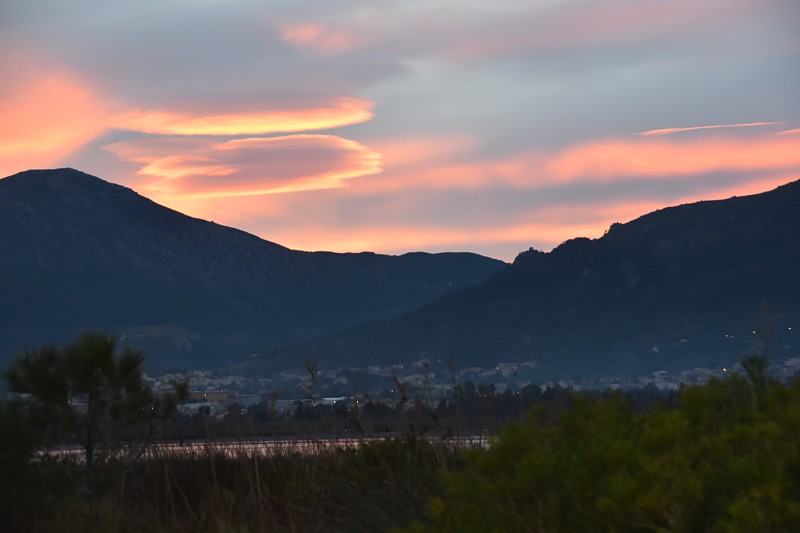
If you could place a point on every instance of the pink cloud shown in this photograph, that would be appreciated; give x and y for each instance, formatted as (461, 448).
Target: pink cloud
(47, 112)
(390, 222)
(341, 111)
(543, 227)
(618, 159)
(442, 164)
(204, 168)
(320, 37)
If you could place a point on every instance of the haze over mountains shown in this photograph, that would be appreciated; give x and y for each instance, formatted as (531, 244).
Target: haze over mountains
(678, 288)
(79, 252)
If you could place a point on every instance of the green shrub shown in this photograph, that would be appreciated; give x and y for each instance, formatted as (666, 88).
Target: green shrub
(726, 459)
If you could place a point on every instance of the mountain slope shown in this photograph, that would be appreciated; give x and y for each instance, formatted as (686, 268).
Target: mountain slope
(678, 288)
(79, 252)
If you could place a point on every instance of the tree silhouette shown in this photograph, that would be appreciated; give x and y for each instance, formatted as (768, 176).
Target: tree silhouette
(88, 394)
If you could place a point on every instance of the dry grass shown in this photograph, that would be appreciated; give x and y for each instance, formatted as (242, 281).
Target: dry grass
(372, 486)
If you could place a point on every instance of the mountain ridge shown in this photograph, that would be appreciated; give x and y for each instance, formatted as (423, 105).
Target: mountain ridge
(84, 253)
(680, 287)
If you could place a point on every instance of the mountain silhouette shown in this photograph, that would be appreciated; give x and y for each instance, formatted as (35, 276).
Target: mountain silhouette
(695, 285)
(81, 253)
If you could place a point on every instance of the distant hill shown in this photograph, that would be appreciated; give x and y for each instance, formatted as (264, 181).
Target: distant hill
(678, 288)
(79, 252)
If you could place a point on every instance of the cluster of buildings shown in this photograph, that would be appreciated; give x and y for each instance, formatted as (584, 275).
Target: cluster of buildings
(389, 384)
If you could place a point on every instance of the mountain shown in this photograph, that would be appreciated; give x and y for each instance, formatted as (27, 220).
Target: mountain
(690, 286)
(79, 252)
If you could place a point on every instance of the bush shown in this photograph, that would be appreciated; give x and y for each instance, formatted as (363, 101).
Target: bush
(726, 459)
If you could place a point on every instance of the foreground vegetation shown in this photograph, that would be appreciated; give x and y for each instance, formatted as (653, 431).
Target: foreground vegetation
(719, 457)
(727, 458)
(376, 487)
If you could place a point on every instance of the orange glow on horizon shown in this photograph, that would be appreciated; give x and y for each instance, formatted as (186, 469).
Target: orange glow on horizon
(392, 239)
(548, 228)
(343, 111)
(551, 225)
(544, 228)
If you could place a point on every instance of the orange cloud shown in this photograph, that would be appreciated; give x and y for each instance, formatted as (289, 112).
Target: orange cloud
(392, 223)
(608, 160)
(203, 168)
(543, 228)
(668, 131)
(46, 113)
(452, 163)
(176, 167)
(448, 163)
(320, 37)
(342, 111)
(790, 132)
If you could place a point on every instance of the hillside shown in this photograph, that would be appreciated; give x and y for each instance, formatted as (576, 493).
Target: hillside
(681, 287)
(79, 252)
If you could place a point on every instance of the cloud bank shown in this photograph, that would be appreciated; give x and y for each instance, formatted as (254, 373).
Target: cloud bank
(396, 126)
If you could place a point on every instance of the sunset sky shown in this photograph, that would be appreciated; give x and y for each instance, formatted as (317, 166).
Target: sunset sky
(399, 125)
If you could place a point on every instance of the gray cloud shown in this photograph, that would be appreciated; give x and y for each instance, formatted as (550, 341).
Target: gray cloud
(512, 77)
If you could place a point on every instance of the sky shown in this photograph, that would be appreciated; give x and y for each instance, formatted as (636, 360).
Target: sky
(490, 126)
